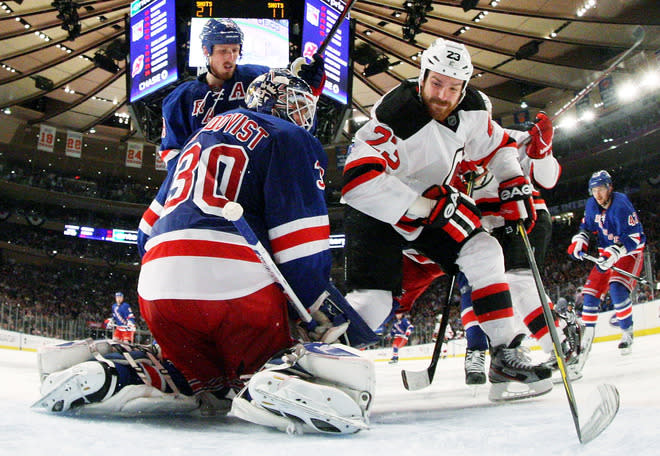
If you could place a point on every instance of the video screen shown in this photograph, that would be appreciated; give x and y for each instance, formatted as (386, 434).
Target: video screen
(265, 42)
(153, 62)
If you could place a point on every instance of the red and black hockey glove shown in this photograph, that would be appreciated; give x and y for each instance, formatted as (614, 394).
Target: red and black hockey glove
(517, 203)
(540, 144)
(313, 73)
(454, 212)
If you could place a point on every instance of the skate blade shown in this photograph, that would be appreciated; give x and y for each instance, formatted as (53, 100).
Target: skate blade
(513, 391)
(606, 408)
(625, 351)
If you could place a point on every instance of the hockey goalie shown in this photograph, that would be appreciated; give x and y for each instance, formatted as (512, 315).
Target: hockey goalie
(308, 388)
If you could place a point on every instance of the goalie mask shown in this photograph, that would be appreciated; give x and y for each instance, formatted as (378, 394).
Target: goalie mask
(447, 58)
(283, 95)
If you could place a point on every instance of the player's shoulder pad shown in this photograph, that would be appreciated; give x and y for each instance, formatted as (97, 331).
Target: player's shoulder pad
(402, 110)
(472, 101)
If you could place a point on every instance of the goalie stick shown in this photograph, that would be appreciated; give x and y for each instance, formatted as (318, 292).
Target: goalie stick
(234, 213)
(608, 405)
(586, 256)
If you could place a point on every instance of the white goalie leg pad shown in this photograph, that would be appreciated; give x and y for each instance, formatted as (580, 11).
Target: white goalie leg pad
(143, 400)
(320, 388)
(86, 382)
(308, 407)
(58, 357)
(342, 367)
(512, 391)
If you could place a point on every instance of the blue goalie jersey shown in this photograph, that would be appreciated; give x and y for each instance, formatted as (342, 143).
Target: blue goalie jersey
(274, 169)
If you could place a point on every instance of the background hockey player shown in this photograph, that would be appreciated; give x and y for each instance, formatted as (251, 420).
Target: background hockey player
(396, 186)
(122, 320)
(612, 218)
(223, 87)
(400, 332)
(217, 313)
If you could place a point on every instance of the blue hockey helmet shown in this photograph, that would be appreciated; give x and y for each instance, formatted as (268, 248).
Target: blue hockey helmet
(282, 94)
(600, 179)
(220, 31)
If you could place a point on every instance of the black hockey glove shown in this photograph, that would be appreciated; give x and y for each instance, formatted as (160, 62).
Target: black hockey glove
(454, 212)
(313, 73)
(517, 203)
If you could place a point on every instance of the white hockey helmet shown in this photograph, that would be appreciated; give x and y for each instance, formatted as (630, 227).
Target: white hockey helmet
(448, 58)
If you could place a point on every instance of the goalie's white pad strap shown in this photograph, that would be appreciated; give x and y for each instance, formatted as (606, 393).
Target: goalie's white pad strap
(141, 400)
(58, 357)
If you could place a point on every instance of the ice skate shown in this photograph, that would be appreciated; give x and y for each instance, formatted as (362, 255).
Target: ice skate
(394, 360)
(475, 367)
(511, 364)
(626, 341)
(585, 347)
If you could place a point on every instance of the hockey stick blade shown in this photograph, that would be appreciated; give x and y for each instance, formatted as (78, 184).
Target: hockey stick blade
(620, 271)
(604, 413)
(416, 380)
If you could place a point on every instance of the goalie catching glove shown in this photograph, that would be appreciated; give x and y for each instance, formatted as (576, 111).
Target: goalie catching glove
(447, 208)
(517, 203)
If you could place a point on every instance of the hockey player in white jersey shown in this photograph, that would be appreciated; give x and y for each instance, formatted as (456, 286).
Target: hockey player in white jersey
(396, 186)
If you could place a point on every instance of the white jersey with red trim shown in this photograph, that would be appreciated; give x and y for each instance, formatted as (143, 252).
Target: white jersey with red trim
(274, 169)
(402, 151)
(543, 172)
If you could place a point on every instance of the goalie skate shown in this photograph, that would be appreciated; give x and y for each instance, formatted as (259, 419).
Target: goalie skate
(82, 384)
(308, 407)
(513, 391)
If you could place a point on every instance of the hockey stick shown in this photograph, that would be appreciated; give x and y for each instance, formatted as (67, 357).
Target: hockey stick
(619, 270)
(416, 380)
(609, 396)
(300, 61)
(234, 213)
(335, 26)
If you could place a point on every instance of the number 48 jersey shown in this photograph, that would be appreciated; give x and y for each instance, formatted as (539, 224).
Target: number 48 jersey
(274, 169)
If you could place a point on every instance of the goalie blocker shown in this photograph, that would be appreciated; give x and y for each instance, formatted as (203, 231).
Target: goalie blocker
(310, 387)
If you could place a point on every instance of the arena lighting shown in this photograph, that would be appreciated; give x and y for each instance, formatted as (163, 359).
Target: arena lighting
(588, 116)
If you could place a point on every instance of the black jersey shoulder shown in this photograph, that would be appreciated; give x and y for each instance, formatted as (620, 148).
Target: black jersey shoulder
(403, 111)
(472, 101)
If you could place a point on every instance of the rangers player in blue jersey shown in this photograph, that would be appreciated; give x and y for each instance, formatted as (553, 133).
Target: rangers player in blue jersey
(192, 104)
(122, 320)
(400, 332)
(612, 218)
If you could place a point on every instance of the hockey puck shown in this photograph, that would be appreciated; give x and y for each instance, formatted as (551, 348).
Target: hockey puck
(232, 211)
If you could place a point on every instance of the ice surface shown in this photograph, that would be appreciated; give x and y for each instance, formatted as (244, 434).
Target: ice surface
(447, 418)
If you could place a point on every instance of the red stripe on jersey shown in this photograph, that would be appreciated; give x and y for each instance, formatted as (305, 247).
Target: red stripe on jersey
(201, 248)
(507, 141)
(489, 290)
(299, 237)
(365, 161)
(361, 179)
(532, 315)
(496, 315)
(150, 217)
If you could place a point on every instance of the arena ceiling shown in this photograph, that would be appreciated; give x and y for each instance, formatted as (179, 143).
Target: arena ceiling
(570, 43)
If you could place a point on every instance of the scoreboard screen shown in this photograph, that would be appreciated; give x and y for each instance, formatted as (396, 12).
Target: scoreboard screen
(266, 9)
(153, 62)
(319, 17)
